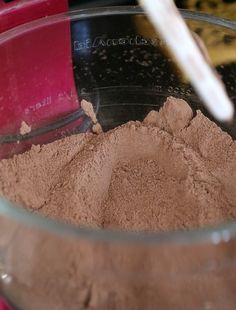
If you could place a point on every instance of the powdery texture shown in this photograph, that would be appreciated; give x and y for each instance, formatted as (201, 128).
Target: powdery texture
(89, 111)
(24, 128)
(171, 171)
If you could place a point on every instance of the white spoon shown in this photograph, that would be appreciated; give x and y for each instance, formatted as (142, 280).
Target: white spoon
(167, 21)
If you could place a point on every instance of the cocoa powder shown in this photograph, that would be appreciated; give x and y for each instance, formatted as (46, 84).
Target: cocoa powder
(171, 171)
(25, 128)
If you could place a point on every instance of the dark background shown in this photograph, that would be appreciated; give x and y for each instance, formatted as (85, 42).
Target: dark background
(198, 4)
(93, 3)
(223, 8)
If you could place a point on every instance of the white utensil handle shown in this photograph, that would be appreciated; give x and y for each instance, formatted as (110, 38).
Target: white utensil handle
(169, 23)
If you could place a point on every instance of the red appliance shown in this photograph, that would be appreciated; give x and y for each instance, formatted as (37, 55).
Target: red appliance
(36, 75)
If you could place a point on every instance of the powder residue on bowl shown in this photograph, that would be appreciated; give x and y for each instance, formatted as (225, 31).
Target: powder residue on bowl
(24, 128)
(89, 111)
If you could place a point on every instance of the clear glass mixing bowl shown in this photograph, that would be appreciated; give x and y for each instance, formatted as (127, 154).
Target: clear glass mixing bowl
(119, 63)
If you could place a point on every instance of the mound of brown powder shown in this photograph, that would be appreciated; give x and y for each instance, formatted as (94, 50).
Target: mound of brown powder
(171, 171)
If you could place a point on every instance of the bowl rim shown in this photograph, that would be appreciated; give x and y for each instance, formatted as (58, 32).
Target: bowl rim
(79, 14)
(214, 235)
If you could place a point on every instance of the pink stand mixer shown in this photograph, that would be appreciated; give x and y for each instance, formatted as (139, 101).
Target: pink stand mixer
(52, 82)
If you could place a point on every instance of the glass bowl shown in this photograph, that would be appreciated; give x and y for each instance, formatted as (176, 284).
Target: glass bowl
(121, 65)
